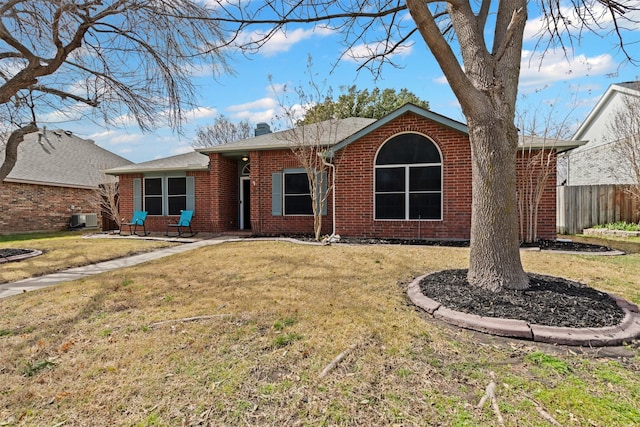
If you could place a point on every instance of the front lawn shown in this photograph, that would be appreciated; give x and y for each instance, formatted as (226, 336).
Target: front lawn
(67, 250)
(239, 334)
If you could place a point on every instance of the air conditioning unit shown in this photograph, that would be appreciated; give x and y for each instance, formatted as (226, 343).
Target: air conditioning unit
(84, 220)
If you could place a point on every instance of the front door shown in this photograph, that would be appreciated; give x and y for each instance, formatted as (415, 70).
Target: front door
(245, 203)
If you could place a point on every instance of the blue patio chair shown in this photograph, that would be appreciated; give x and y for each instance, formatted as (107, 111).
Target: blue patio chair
(138, 219)
(183, 222)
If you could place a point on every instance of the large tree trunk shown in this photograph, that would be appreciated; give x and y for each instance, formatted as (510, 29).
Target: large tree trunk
(487, 88)
(494, 261)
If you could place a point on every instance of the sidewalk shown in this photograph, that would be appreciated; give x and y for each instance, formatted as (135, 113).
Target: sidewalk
(33, 283)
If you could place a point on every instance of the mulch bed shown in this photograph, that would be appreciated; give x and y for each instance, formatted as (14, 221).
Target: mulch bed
(550, 245)
(550, 301)
(7, 252)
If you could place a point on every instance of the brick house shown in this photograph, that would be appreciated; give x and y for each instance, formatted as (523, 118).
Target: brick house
(55, 176)
(407, 175)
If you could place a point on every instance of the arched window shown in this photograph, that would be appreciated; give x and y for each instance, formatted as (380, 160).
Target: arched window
(408, 179)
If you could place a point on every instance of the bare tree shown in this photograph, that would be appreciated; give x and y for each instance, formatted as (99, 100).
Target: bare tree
(483, 76)
(107, 195)
(540, 131)
(125, 59)
(624, 127)
(309, 143)
(222, 131)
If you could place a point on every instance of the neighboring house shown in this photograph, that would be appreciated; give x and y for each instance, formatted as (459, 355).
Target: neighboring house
(407, 175)
(56, 175)
(597, 162)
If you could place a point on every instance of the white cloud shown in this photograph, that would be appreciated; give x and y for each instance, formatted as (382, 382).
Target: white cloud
(182, 149)
(276, 89)
(66, 113)
(596, 17)
(442, 80)
(283, 41)
(101, 135)
(263, 103)
(215, 4)
(363, 51)
(117, 138)
(266, 116)
(555, 66)
(200, 113)
(12, 66)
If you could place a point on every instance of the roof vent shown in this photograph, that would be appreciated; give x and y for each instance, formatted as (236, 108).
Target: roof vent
(262, 129)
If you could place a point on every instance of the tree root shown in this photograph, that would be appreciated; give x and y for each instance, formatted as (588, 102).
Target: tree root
(544, 414)
(187, 319)
(335, 361)
(490, 394)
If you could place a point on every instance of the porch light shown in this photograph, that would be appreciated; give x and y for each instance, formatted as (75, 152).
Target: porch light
(245, 158)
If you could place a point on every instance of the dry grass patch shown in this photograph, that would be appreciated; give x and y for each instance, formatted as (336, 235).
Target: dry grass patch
(238, 334)
(62, 251)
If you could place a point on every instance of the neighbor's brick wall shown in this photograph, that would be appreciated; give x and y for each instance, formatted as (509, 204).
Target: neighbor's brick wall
(30, 207)
(355, 213)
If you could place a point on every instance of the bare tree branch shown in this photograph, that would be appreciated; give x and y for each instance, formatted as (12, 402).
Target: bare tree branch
(130, 57)
(11, 148)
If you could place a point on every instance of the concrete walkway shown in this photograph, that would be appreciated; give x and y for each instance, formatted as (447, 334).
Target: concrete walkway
(33, 283)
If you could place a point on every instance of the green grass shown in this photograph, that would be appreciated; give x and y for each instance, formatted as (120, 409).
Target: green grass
(22, 237)
(547, 361)
(620, 225)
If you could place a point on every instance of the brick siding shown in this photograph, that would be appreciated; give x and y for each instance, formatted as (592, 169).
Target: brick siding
(217, 191)
(263, 165)
(31, 207)
(546, 228)
(355, 201)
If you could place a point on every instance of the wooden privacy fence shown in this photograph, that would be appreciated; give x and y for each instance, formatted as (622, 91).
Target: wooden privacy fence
(583, 206)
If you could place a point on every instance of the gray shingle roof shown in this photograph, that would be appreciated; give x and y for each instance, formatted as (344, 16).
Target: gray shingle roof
(631, 85)
(182, 162)
(330, 133)
(62, 159)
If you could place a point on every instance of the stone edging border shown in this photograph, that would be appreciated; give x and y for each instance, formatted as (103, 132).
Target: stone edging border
(34, 252)
(626, 331)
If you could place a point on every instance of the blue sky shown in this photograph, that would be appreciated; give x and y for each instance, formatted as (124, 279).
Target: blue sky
(584, 74)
